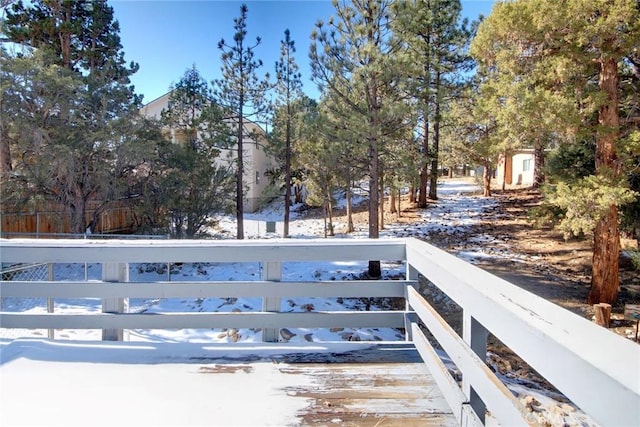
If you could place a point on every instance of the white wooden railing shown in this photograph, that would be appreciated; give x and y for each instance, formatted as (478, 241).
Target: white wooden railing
(598, 370)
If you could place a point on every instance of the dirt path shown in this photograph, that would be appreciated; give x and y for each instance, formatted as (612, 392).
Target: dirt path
(536, 259)
(555, 269)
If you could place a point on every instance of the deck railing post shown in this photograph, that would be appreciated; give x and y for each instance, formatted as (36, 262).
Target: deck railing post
(50, 301)
(411, 273)
(114, 272)
(475, 335)
(271, 271)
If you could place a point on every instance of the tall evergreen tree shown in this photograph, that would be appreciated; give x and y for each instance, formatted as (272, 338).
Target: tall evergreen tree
(80, 35)
(288, 88)
(198, 186)
(318, 158)
(242, 94)
(349, 149)
(187, 100)
(352, 57)
(472, 130)
(436, 39)
(69, 103)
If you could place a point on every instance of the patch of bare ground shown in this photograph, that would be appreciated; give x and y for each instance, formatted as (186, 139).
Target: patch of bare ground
(543, 262)
(561, 269)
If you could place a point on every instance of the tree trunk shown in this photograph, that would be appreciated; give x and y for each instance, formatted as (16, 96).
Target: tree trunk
(287, 175)
(606, 237)
(350, 228)
(381, 199)
(240, 177)
(5, 155)
(603, 314)
(64, 33)
(538, 166)
(504, 172)
(374, 270)
(373, 189)
(486, 180)
(298, 193)
(424, 172)
(78, 222)
(412, 194)
(330, 214)
(392, 202)
(324, 217)
(435, 146)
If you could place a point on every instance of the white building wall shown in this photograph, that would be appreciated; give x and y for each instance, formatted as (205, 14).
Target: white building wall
(521, 164)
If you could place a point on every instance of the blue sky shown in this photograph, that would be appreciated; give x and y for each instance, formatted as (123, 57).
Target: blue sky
(168, 37)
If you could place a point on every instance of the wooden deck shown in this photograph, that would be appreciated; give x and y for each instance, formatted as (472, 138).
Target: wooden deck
(387, 385)
(384, 386)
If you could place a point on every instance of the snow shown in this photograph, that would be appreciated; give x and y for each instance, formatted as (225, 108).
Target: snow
(29, 378)
(148, 384)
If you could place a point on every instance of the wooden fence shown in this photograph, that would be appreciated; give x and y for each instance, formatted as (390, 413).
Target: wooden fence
(596, 369)
(51, 218)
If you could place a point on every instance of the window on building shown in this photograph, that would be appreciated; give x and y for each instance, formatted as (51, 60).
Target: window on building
(257, 177)
(526, 165)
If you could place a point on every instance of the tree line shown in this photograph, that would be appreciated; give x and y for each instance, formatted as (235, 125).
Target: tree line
(407, 89)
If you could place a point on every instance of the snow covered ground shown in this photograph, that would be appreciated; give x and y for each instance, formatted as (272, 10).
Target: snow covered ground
(456, 210)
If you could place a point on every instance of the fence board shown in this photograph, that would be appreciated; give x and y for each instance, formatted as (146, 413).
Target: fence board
(51, 217)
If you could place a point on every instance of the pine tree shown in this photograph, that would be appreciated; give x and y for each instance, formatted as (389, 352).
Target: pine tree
(72, 106)
(349, 161)
(242, 94)
(198, 186)
(472, 130)
(317, 157)
(81, 36)
(288, 88)
(353, 58)
(187, 100)
(436, 40)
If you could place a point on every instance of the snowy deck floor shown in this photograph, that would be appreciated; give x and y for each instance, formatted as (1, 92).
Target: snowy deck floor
(77, 383)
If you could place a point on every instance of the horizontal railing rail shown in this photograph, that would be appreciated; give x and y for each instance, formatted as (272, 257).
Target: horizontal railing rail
(573, 354)
(238, 289)
(139, 251)
(244, 320)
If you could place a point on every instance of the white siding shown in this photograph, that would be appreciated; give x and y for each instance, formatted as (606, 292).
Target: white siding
(522, 164)
(522, 175)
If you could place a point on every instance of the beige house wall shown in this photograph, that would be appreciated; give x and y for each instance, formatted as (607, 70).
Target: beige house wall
(256, 161)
